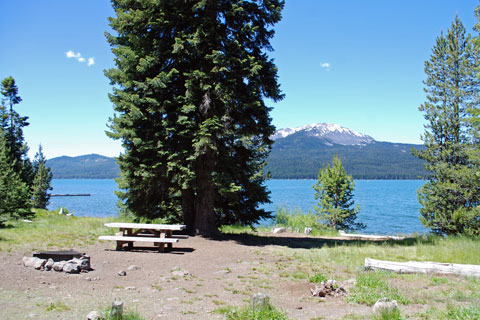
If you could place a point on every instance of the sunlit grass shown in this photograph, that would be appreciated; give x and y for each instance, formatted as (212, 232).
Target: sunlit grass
(48, 229)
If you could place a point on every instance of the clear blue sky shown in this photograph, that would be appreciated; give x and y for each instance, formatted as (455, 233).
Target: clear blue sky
(355, 63)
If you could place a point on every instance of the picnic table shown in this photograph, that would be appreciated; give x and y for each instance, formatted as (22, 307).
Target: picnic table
(159, 234)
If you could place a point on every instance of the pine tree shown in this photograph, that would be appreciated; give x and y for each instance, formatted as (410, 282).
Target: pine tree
(334, 192)
(189, 87)
(14, 193)
(449, 199)
(42, 182)
(12, 125)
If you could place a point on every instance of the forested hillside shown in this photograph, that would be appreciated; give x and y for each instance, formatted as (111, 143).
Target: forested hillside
(300, 156)
(92, 166)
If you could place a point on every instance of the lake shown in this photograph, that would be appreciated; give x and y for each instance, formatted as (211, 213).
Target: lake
(386, 206)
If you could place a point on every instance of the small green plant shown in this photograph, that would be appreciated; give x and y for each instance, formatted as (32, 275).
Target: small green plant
(371, 286)
(127, 315)
(393, 314)
(318, 278)
(57, 306)
(246, 313)
(436, 281)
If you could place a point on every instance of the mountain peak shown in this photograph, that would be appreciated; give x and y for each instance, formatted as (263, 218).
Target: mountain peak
(329, 133)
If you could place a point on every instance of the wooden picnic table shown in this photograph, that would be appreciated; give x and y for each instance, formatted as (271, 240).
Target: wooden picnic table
(159, 234)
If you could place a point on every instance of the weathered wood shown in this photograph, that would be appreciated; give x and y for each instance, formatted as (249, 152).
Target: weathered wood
(371, 237)
(139, 239)
(423, 267)
(146, 226)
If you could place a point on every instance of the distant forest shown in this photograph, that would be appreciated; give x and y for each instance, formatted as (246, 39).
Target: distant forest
(291, 158)
(92, 166)
(301, 158)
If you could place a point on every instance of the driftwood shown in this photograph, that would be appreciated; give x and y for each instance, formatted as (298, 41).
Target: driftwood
(423, 267)
(369, 237)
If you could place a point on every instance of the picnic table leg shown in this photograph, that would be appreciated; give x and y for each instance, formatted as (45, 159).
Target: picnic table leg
(161, 247)
(129, 233)
(168, 234)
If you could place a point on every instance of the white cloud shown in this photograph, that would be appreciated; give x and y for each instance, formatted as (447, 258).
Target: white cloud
(79, 58)
(71, 54)
(326, 66)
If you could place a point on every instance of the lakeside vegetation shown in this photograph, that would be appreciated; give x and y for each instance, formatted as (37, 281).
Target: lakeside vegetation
(445, 297)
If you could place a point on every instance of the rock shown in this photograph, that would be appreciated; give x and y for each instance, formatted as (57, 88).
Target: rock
(116, 312)
(279, 230)
(71, 268)
(385, 305)
(39, 264)
(130, 288)
(58, 266)
(180, 273)
(308, 230)
(95, 315)
(328, 288)
(122, 273)
(259, 301)
(133, 268)
(83, 263)
(49, 264)
(29, 261)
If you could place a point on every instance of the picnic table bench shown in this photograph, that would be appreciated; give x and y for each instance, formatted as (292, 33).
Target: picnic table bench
(159, 234)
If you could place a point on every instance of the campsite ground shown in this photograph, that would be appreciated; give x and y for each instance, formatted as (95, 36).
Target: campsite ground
(202, 276)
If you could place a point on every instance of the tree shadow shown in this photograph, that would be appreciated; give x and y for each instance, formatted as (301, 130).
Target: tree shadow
(145, 249)
(306, 242)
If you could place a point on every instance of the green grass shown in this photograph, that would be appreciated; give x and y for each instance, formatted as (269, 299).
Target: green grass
(246, 313)
(57, 306)
(388, 315)
(351, 255)
(49, 229)
(471, 312)
(318, 278)
(371, 286)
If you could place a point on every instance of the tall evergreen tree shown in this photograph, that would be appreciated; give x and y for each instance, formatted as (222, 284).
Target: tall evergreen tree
(451, 195)
(189, 87)
(42, 183)
(12, 124)
(14, 193)
(334, 192)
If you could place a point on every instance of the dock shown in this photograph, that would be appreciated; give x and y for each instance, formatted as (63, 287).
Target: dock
(70, 195)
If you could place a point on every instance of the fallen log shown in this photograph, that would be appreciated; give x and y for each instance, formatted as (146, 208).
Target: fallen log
(423, 267)
(371, 237)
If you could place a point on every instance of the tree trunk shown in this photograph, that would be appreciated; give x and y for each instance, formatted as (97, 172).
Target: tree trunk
(205, 223)
(205, 216)
(468, 270)
(188, 209)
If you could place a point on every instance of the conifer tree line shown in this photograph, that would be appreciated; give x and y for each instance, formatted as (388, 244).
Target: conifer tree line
(23, 184)
(450, 200)
(189, 90)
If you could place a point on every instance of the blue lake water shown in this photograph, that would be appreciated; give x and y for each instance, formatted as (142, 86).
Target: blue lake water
(386, 206)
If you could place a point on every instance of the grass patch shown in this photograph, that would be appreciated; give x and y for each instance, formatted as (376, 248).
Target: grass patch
(246, 313)
(48, 230)
(371, 286)
(318, 278)
(388, 315)
(57, 306)
(351, 255)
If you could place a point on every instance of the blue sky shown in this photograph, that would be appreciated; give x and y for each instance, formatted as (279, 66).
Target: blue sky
(355, 63)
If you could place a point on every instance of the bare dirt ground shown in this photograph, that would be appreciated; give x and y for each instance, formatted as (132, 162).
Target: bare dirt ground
(217, 273)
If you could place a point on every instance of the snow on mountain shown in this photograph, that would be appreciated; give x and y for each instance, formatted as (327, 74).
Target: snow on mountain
(329, 133)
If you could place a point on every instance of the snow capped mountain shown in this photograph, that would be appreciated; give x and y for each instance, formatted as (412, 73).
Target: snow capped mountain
(330, 134)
